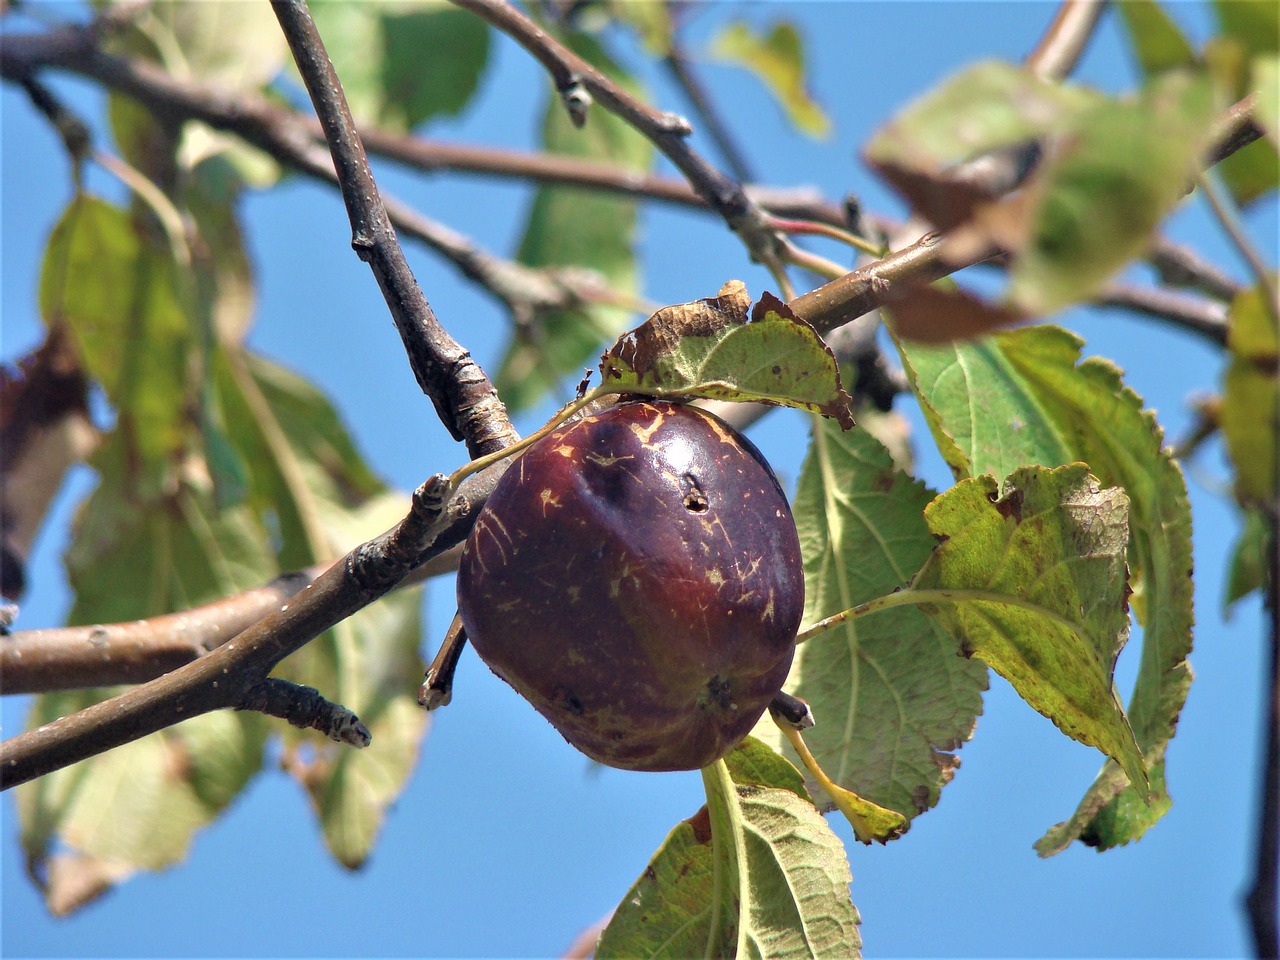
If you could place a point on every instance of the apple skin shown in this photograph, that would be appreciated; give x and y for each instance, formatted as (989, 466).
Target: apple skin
(636, 576)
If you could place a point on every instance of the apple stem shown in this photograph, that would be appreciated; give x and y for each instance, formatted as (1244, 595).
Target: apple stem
(437, 688)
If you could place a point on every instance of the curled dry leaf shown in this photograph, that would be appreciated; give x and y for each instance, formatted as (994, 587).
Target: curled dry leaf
(721, 348)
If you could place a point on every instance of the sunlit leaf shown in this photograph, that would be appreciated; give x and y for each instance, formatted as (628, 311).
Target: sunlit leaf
(984, 418)
(1083, 411)
(709, 348)
(1249, 418)
(1040, 582)
(756, 873)
(891, 696)
(777, 58)
(1253, 23)
(567, 227)
(987, 107)
(235, 46)
(114, 287)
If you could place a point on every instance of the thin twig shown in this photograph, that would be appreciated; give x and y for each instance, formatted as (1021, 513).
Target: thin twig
(306, 708)
(1179, 266)
(678, 64)
(1224, 210)
(1063, 43)
(1207, 318)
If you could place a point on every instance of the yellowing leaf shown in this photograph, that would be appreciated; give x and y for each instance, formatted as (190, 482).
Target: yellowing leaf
(1033, 583)
(777, 58)
(142, 549)
(1054, 408)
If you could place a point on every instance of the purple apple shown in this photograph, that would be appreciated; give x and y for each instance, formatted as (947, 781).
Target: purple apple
(636, 576)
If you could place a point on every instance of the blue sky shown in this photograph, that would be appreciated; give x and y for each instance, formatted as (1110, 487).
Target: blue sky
(506, 841)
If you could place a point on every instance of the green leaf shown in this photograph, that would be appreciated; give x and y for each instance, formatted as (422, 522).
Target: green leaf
(1266, 79)
(1247, 571)
(1096, 419)
(777, 58)
(1033, 583)
(984, 417)
(1099, 197)
(1157, 41)
(756, 873)
(298, 449)
(1251, 172)
(404, 63)
(234, 46)
(116, 290)
(143, 546)
(304, 466)
(708, 348)
(571, 228)
(1249, 417)
(986, 107)
(889, 692)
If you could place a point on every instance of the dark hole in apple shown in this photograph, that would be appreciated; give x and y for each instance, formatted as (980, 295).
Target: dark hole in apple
(695, 501)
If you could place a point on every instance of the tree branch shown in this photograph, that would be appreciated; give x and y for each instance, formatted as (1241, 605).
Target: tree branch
(463, 396)
(1179, 266)
(1208, 318)
(135, 651)
(666, 131)
(1262, 902)
(306, 708)
(294, 141)
(225, 677)
(1063, 43)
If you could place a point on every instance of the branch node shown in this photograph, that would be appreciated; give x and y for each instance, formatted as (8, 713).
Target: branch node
(577, 99)
(306, 708)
